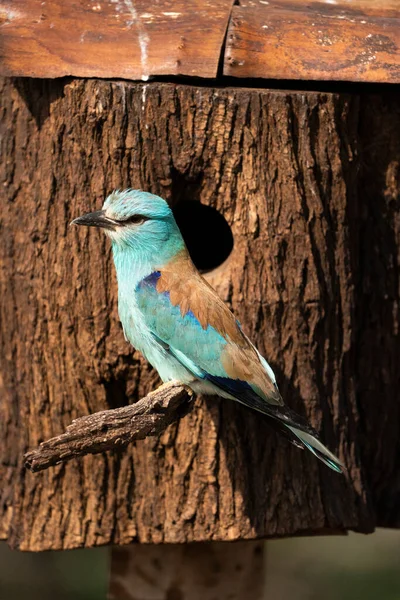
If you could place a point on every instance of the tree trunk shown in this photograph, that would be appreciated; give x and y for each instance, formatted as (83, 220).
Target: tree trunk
(308, 183)
(204, 571)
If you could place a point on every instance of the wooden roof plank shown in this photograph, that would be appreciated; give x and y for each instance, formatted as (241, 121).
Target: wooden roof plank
(320, 41)
(354, 40)
(382, 8)
(130, 39)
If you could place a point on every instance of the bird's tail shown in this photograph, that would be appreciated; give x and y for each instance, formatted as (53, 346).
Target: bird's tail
(281, 417)
(317, 448)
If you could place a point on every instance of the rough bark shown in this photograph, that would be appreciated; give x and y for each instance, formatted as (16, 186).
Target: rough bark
(188, 572)
(297, 176)
(113, 429)
(378, 303)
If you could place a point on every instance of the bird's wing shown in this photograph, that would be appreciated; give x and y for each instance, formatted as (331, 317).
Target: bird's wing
(188, 318)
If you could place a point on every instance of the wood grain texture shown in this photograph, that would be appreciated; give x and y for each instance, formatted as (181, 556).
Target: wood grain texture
(285, 40)
(381, 8)
(352, 40)
(111, 430)
(131, 39)
(196, 572)
(296, 175)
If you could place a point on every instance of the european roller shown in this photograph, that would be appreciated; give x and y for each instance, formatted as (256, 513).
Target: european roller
(178, 322)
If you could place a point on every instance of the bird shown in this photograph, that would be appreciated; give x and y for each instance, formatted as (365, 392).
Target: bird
(171, 314)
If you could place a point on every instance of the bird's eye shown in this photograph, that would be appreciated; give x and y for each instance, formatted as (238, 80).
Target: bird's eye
(134, 220)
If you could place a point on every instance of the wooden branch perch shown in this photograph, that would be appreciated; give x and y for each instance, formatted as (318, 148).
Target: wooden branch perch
(112, 429)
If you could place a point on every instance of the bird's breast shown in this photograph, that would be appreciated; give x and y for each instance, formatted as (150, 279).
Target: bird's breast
(137, 332)
(133, 323)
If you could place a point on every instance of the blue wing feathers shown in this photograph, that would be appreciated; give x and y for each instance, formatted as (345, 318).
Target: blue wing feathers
(199, 350)
(150, 281)
(245, 394)
(183, 333)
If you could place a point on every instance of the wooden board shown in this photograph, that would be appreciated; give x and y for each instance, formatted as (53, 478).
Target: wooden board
(285, 40)
(131, 39)
(353, 40)
(308, 183)
(382, 8)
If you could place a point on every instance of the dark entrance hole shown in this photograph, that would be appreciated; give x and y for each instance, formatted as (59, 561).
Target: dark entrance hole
(207, 235)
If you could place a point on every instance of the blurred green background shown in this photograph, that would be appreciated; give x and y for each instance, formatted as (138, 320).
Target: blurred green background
(73, 574)
(335, 568)
(332, 568)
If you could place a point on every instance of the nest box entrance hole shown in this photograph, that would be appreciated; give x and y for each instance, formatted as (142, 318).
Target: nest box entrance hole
(205, 230)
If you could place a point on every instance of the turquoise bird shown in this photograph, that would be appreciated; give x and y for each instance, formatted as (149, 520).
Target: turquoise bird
(177, 321)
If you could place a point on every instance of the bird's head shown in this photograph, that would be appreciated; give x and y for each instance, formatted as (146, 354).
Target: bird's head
(137, 221)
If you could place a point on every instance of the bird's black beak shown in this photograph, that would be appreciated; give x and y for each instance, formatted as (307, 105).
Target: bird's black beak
(95, 219)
